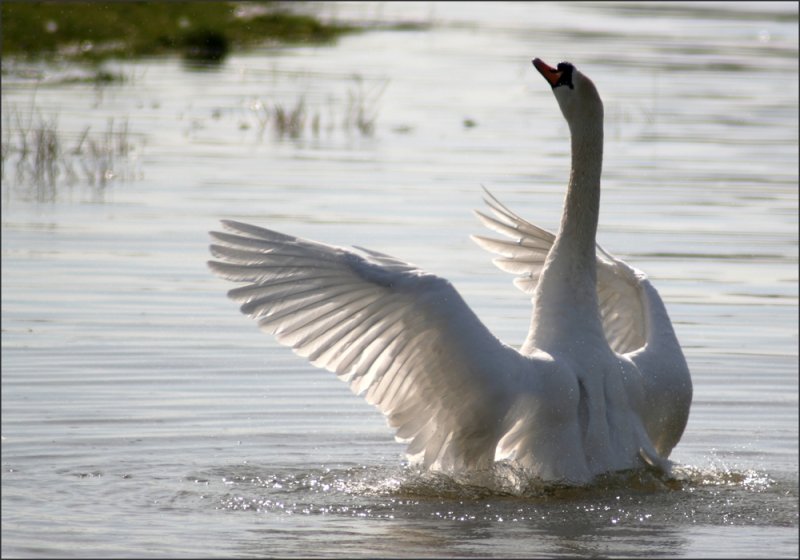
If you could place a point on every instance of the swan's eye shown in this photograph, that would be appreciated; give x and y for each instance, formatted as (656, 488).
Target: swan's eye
(565, 79)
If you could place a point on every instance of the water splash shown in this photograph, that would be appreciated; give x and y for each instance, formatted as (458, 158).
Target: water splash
(688, 494)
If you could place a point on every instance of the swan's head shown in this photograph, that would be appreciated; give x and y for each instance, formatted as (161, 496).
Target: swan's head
(576, 95)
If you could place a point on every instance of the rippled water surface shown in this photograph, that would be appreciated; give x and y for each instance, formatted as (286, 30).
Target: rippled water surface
(142, 415)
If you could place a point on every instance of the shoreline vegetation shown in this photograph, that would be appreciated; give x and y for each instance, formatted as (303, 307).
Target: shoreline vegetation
(91, 32)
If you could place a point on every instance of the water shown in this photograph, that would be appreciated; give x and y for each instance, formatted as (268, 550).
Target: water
(144, 416)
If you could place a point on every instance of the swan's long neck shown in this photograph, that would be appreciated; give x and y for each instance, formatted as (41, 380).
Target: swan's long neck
(577, 235)
(565, 301)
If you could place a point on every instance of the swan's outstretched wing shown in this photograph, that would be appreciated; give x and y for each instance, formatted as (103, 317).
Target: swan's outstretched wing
(402, 337)
(621, 303)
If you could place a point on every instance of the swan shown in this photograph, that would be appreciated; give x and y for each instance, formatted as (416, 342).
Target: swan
(599, 385)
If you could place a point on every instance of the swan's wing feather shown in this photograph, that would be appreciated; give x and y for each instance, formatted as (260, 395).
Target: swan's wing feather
(403, 338)
(621, 302)
(524, 251)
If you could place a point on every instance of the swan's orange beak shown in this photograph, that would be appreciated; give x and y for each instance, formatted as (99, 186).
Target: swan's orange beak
(550, 74)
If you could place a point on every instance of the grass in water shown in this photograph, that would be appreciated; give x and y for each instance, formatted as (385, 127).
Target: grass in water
(38, 159)
(293, 121)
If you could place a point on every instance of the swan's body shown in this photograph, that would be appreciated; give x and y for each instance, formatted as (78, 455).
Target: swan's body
(599, 385)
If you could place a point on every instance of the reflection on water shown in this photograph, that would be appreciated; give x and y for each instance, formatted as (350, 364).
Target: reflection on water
(133, 391)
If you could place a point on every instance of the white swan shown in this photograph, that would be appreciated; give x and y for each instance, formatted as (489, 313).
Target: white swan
(600, 384)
